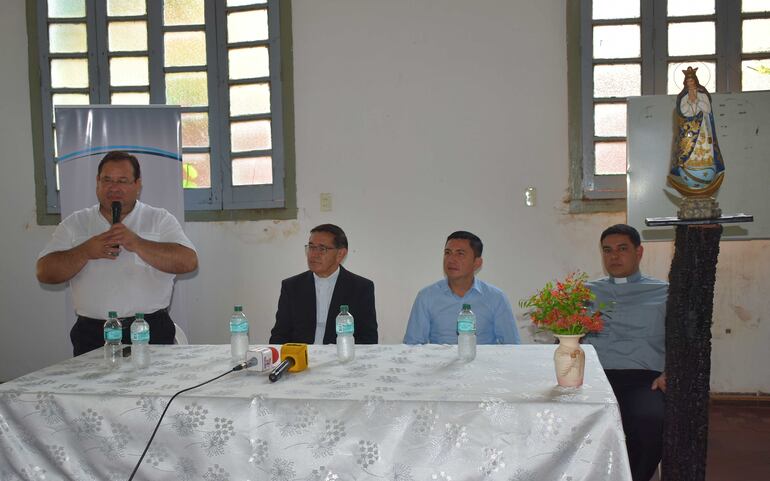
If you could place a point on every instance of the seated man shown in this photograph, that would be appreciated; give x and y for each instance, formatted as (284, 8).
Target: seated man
(310, 301)
(126, 266)
(631, 347)
(434, 312)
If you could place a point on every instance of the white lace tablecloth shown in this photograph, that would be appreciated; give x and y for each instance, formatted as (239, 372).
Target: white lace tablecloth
(401, 413)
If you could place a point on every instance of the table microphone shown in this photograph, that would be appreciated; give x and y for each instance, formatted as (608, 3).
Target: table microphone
(293, 359)
(116, 207)
(263, 359)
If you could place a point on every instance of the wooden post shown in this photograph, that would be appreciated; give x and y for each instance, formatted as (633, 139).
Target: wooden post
(688, 351)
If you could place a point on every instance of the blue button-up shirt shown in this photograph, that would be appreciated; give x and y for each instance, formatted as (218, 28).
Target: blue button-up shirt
(434, 315)
(634, 334)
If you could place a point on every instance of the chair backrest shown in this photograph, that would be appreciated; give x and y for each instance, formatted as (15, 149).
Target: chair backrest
(180, 337)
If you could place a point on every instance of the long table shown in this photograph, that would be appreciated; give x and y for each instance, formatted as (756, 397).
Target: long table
(402, 413)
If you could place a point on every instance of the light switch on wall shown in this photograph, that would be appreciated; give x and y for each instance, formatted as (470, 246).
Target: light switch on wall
(326, 202)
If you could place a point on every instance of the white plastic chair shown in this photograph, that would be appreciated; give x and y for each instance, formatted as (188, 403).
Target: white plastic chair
(180, 337)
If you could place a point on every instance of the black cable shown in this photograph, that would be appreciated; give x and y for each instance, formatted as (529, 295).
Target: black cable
(236, 368)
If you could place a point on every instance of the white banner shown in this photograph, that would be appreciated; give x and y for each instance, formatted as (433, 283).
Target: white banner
(84, 134)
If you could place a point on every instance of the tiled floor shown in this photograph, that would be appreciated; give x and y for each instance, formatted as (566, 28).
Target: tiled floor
(739, 441)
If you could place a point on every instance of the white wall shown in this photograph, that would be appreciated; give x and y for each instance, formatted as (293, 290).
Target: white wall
(31, 336)
(419, 118)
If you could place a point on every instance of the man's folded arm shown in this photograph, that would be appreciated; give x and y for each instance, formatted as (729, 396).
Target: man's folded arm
(366, 328)
(418, 327)
(61, 266)
(282, 328)
(505, 323)
(168, 257)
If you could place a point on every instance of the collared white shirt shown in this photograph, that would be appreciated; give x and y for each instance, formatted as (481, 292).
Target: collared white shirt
(126, 284)
(324, 288)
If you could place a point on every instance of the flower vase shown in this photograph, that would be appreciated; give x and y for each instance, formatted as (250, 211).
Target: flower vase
(569, 360)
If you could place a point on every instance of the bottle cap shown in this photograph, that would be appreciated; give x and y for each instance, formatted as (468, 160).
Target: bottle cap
(466, 307)
(140, 315)
(238, 308)
(344, 308)
(112, 314)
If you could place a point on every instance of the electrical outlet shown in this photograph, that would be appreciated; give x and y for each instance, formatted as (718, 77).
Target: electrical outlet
(326, 202)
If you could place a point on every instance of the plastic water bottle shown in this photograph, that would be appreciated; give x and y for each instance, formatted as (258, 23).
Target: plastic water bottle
(140, 338)
(345, 342)
(239, 335)
(466, 334)
(113, 341)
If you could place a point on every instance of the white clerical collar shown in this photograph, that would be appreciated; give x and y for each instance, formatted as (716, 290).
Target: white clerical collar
(625, 280)
(327, 280)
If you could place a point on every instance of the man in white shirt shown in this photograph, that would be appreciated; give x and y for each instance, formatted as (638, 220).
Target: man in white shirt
(310, 301)
(121, 259)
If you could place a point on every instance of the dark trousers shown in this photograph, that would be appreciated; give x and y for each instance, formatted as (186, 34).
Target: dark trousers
(88, 334)
(641, 410)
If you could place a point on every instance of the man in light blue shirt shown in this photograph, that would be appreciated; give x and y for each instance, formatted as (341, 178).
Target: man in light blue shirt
(434, 313)
(631, 347)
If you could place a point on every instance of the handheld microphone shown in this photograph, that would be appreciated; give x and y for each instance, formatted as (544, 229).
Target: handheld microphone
(293, 359)
(116, 208)
(281, 368)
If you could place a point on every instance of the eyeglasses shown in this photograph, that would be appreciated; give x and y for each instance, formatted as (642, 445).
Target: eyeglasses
(320, 248)
(122, 182)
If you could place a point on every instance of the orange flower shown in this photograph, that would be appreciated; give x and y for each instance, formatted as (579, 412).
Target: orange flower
(566, 308)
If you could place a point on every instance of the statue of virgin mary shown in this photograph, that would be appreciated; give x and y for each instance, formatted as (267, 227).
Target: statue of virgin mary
(697, 168)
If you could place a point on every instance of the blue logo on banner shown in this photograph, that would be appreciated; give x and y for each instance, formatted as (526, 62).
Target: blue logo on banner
(131, 149)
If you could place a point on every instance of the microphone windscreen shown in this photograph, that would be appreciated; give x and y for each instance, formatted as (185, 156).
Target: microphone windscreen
(116, 207)
(296, 351)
